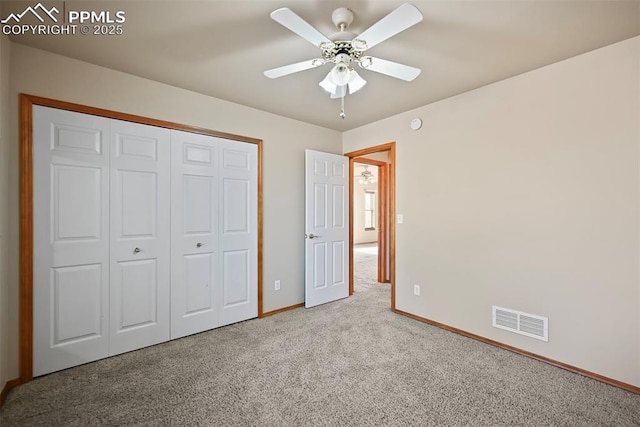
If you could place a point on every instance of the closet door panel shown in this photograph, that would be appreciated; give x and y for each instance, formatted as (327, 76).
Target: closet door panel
(236, 279)
(76, 312)
(71, 239)
(198, 268)
(140, 236)
(138, 202)
(138, 294)
(194, 236)
(238, 231)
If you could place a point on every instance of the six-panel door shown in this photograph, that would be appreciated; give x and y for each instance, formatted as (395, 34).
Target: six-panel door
(327, 227)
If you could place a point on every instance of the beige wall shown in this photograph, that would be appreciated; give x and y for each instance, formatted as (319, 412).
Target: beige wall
(44, 74)
(529, 199)
(5, 370)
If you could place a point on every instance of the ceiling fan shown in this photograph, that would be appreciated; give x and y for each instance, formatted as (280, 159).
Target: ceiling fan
(345, 49)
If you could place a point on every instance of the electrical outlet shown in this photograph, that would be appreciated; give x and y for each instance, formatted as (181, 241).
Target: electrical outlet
(277, 285)
(400, 218)
(416, 290)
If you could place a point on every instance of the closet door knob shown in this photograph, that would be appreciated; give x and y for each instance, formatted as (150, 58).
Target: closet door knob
(199, 245)
(137, 250)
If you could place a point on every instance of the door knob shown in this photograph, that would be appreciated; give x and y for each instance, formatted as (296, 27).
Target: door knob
(199, 245)
(137, 250)
(313, 236)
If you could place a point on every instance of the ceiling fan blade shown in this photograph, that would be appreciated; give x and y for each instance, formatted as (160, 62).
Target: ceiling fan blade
(293, 68)
(393, 69)
(289, 19)
(399, 20)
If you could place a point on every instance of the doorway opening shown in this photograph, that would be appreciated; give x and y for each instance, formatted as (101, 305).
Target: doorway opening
(370, 219)
(372, 206)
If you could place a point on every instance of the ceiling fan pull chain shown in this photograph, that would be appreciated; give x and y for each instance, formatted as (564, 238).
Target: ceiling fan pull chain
(342, 114)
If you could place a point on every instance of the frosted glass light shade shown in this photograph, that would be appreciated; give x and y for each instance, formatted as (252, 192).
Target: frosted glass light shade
(356, 82)
(328, 84)
(340, 74)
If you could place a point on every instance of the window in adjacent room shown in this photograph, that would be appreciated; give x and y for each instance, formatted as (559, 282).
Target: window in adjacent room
(369, 210)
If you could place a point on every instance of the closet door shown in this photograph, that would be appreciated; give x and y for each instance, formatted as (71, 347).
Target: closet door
(238, 231)
(140, 240)
(194, 235)
(70, 239)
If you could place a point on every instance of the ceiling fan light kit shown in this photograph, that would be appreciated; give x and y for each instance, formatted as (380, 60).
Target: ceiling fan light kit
(366, 177)
(345, 49)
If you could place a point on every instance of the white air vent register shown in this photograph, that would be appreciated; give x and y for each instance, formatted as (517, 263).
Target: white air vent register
(521, 323)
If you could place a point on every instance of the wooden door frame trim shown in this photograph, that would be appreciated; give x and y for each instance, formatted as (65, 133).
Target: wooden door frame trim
(390, 148)
(383, 185)
(369, 161)
(26, 205)
(9, 385)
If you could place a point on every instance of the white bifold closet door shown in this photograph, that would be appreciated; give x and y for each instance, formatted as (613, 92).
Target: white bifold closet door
(140, 236)
(194, 234)
(238, 231)
(71, 239)
(214, 232)
(101, 237)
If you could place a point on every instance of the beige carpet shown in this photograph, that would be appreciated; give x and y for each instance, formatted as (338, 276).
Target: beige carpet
(350, 363)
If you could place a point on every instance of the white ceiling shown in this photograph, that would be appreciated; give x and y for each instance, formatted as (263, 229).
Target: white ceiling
(221, 48)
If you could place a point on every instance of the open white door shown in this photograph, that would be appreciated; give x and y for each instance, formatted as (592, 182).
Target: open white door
(326, 228)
